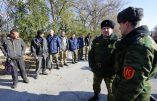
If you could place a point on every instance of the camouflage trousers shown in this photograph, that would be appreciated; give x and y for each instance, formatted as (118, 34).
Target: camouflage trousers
(108, 81)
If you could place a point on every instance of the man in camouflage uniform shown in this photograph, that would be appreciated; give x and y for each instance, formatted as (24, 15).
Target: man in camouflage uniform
(100, 58)
(136, 58)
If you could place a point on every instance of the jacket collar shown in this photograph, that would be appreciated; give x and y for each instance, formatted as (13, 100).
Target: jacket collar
(9, 38)
(111, 37)
(134, 35)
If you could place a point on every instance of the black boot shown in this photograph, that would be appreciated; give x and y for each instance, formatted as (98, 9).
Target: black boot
(14, 85)
(65, 64)
(95, 97)
(73, 62)
(36, 76)
(61, 65)
(57, 66)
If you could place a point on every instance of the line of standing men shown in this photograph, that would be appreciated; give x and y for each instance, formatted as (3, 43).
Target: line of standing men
(126, 65)
(46, 51)
(54, 48)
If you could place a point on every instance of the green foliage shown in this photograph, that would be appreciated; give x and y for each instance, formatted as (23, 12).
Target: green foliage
(72, 16)
(30, 17)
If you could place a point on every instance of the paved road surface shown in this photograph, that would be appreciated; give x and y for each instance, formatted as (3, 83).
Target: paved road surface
(72, 83)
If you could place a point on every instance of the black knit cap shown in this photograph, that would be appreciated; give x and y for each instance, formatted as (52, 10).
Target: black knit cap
(107, 23)
(130, 14)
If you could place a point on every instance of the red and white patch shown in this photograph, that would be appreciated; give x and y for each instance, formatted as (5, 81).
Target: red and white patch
(128, 72)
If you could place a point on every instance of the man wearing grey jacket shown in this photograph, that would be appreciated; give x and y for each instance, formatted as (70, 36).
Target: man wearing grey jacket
(13, 48)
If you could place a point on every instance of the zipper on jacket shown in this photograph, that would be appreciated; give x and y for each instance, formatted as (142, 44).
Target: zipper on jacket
(13, 47)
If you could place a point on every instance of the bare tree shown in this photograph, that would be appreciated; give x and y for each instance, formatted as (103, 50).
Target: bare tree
(57, 8)
(92, 12)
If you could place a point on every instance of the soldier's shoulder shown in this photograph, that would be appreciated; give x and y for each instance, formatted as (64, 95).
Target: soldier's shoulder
(97, 38)
(148, 42)
(143, 44)
(114, 36)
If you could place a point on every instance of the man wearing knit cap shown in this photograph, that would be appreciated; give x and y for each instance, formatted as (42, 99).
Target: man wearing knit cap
(136, 58)
(100, 59)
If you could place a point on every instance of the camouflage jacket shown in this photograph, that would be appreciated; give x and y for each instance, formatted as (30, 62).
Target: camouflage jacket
(100, 56)
(135, 64)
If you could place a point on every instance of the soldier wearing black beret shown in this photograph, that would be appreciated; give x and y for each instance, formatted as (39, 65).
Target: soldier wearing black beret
(100, 59)
(107, 23)
(136, 58)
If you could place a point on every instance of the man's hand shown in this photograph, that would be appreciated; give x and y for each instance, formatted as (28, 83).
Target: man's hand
(36, 57)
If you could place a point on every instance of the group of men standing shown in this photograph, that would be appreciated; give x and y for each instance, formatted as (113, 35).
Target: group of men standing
(47, 51)
(54, 48)
(127, 64)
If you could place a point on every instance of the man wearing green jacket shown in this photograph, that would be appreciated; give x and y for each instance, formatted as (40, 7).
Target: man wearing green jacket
(135, 58)
(100, 59)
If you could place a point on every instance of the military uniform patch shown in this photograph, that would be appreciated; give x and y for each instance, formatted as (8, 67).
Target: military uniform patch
(128, 72)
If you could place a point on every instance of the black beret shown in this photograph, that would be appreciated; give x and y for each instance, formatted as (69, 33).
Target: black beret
(130, 14)
(107, 23)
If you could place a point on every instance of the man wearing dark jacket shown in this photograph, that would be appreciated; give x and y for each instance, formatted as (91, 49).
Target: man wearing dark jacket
(87, 45)
(100, 59)
(39, 49)
(13, 48)
(73, 46)
(80, 47)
